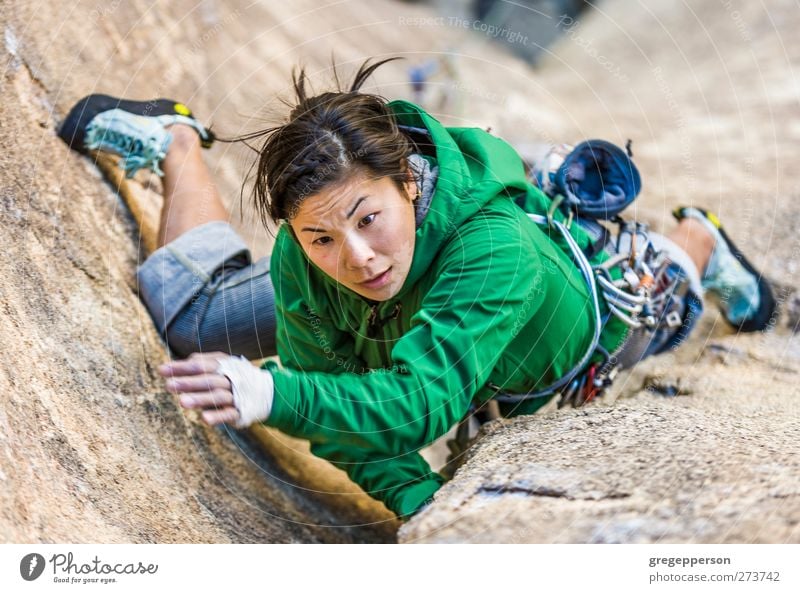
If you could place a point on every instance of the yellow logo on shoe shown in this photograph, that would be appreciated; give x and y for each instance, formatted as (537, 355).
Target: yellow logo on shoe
(182, 109)
(714, 220)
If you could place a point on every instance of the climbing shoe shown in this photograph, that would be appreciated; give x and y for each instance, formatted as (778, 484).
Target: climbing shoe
(134, 130)
(744, 296)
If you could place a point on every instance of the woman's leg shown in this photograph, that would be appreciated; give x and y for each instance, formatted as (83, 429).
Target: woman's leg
(742, 293)
(701, 260)
(202, 289)
(200, 285)
(190, 197)
(695, 240)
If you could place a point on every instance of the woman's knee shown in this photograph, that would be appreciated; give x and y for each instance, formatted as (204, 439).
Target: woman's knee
(233, 313)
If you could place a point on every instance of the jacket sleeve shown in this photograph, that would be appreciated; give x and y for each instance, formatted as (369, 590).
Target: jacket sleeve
(485, 283)
(403, 482)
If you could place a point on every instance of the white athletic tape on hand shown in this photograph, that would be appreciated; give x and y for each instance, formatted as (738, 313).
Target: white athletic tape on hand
(253, 389)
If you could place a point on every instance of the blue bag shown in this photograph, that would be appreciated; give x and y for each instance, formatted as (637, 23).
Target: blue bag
(598, 180)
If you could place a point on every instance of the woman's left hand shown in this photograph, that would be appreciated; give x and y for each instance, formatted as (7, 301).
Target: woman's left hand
(201, 387)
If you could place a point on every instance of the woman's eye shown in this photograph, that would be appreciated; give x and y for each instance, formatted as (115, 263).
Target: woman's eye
(321, 241)
(367, 220)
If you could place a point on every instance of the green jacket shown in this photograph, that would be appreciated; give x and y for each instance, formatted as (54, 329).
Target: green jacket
(489, 298)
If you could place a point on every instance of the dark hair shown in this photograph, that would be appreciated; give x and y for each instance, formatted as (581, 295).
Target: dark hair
(327, 138)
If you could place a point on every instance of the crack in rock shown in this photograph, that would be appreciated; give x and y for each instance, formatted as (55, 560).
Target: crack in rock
(552, 482)
(550, 493)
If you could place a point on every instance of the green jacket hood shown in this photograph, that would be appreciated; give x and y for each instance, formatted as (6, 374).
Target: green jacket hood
(474, 167)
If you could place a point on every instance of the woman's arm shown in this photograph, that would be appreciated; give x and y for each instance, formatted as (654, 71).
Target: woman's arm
(486, 277)
(402, 481)
(488, 281)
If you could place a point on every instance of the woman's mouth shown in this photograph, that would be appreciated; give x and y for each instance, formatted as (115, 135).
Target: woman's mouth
(378, 281)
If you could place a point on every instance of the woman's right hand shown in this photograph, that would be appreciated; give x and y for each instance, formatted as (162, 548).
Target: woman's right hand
(200, 387)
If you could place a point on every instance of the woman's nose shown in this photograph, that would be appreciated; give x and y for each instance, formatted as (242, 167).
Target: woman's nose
(357, 253)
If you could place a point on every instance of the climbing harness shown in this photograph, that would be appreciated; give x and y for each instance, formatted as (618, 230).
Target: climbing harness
(594, 182)
(588, 276)
(637, 282)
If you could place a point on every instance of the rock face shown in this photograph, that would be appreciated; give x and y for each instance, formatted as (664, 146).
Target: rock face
(649, 470)
(93, 450)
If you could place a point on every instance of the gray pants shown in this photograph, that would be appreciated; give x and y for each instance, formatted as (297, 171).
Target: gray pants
(205, 294)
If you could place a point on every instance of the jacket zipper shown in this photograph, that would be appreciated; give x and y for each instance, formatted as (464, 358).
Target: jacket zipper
(374, 325)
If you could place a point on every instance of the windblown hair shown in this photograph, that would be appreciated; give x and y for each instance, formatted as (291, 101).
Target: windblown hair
(328, 138)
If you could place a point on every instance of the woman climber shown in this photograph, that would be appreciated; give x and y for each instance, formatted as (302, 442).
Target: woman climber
(418, 273)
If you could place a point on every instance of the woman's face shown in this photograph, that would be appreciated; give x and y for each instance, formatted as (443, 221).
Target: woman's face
(361, 233)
